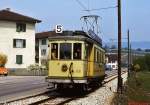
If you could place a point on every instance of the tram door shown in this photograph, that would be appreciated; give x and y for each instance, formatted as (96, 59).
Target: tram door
(89, 54)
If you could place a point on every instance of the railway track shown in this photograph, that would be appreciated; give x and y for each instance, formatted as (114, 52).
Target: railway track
(52, 97)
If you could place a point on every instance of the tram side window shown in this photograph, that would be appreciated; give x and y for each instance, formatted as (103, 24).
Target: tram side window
(77, 50)
(95, 55)
(86, 51)
(98, 56)
(65, 50)
(103, 57)
(54, 51)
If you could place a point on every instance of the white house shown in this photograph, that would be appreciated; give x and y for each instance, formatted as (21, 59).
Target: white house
(17, 38)
(42, 46)
(111, 62)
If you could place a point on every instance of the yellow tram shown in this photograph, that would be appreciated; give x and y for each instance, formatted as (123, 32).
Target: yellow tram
(75, 58)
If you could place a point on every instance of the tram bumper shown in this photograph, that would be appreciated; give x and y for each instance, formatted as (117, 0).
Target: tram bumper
(66, 80)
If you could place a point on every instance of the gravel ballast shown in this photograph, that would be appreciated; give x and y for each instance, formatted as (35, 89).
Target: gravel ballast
(102, 96)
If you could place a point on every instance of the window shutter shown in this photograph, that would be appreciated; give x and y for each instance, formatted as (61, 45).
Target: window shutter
(24, 27)
(14, 43)
(19, 59)
(24, 43)
(20, 27)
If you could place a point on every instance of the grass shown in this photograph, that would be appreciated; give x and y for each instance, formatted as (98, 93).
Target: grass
(137, 89)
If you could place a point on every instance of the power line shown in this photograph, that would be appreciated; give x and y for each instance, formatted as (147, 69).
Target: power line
(101, 8)
(81, 4)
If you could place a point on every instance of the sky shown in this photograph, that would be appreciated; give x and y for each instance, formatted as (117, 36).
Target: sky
(135, 15)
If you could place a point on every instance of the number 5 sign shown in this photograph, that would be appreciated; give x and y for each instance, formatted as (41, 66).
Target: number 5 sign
(59, 29)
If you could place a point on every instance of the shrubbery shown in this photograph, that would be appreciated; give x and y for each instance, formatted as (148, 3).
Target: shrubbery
(3, 59)
(143, 62)
(36, 67)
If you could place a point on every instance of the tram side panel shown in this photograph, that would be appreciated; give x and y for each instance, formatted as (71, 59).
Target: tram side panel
(96, 64)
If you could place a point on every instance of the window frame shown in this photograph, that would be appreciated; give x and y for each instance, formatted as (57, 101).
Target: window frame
(73, 53)
(56, 51)
(43, 52)
(43, 41)
(20, 59)
(20, 27)
(23, 43)
(70, 57)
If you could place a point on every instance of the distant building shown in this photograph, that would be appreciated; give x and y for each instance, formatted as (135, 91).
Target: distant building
(112, 55)
(17, 38)
(111, 61)
(42, 47)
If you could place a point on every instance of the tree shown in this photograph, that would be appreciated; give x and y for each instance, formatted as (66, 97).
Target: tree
(147, 50)
(144, 62)
(139, 49)
(147, 61)
(136, 67)
(3, 59)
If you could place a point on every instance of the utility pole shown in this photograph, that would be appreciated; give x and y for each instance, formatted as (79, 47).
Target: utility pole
(128, 54)
(119, 87)
(131, 58)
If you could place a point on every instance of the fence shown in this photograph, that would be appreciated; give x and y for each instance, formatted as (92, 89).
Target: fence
(25, 72)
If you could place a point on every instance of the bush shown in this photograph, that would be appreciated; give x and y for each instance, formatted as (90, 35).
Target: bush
(144, 62)
(36, 67)
(3, 59)
(136, 67)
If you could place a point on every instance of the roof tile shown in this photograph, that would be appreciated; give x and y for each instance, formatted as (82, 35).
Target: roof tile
(12, 16)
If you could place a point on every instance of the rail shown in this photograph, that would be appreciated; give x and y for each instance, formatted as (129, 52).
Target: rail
(52, 98)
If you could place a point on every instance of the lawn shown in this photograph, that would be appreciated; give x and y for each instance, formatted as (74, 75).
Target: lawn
(137, 89)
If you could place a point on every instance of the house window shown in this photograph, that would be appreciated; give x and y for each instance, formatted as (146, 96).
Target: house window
(20, 27)
(19, 59)
(19, 43)
(43, 52)
(43, 41)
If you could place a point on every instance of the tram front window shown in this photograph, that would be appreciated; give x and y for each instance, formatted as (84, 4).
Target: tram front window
(54, 51)
(77, 51)
(65, 50)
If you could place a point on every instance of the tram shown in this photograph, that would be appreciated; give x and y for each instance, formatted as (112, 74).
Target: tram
(76, 58)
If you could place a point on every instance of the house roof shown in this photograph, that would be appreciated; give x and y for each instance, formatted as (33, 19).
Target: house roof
(47, 34)
(112, 57)
(50, 34)
(8, 15)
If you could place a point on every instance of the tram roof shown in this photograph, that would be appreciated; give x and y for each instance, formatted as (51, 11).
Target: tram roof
(74, 35)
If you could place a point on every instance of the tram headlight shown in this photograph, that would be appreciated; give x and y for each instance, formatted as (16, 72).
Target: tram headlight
(64, 68)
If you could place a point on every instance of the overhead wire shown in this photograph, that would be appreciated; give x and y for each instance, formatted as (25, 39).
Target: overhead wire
(81, 4)
(101, 8)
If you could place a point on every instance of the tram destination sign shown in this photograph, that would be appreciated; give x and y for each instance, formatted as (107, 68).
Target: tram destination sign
(59, 28)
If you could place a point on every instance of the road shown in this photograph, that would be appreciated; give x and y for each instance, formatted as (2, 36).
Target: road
(14, 87)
